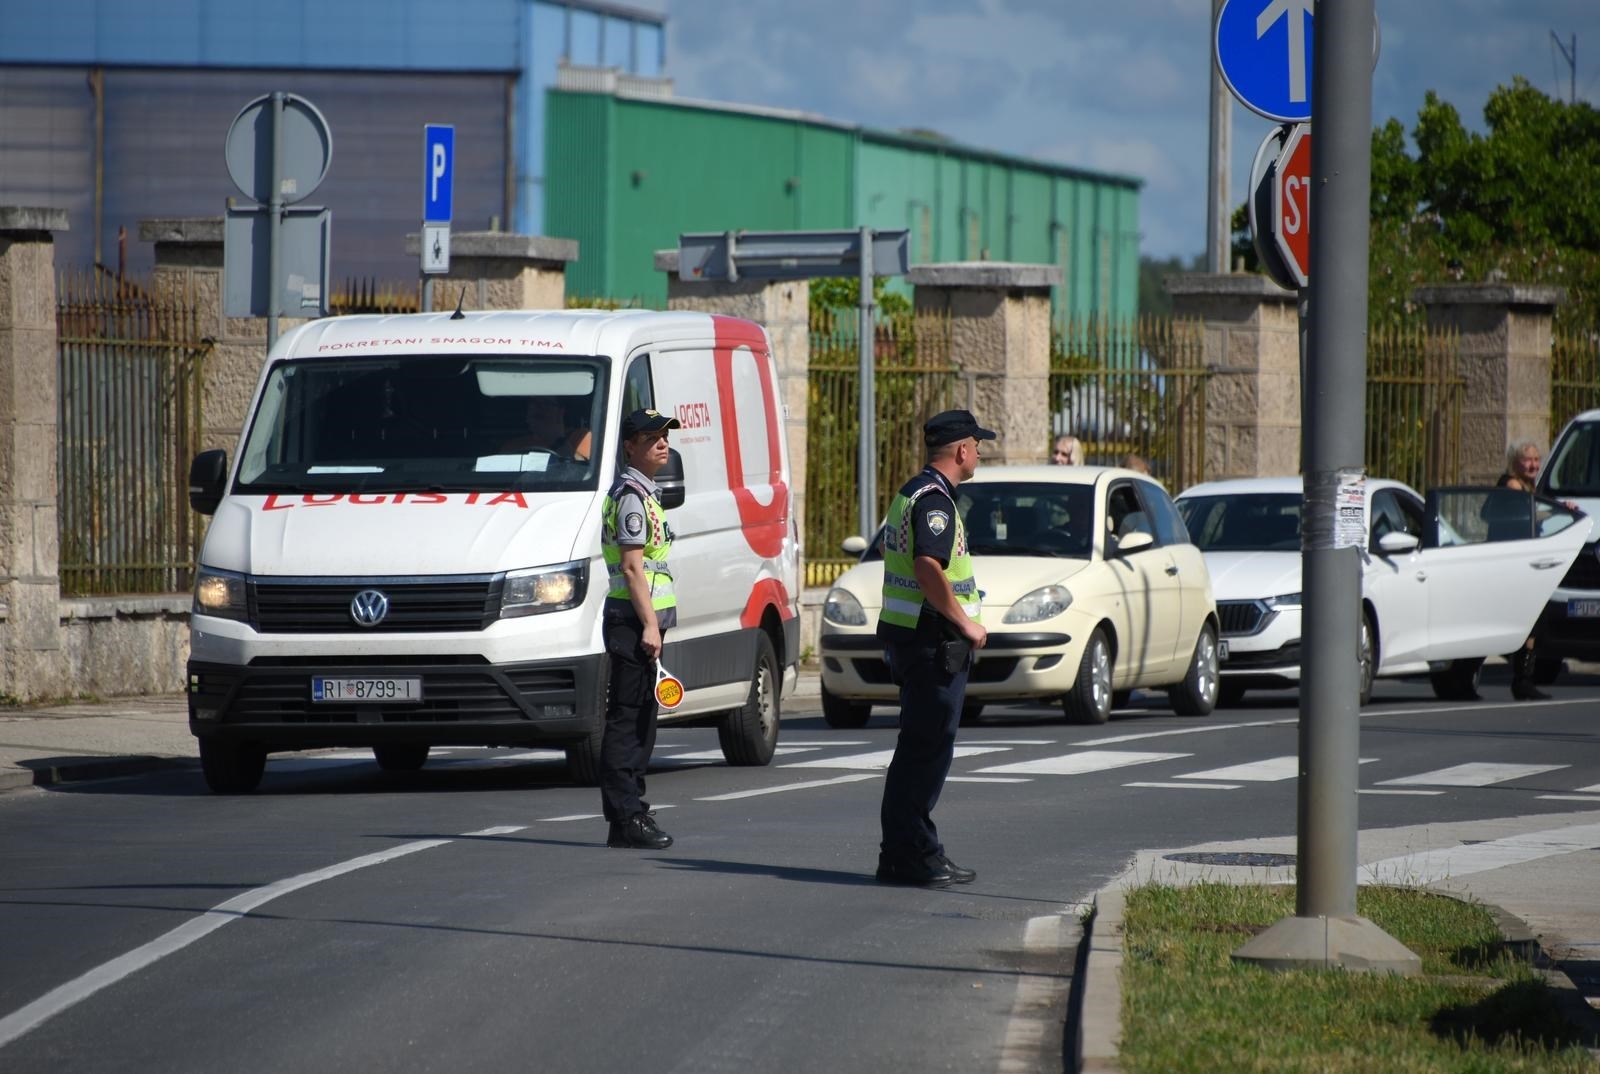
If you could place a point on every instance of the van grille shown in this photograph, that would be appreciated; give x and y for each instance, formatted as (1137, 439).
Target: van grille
(316, 606)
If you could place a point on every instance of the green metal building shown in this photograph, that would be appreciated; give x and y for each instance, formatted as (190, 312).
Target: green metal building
(629, 168)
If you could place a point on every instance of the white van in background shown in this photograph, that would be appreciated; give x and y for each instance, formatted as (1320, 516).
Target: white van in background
(406, 554)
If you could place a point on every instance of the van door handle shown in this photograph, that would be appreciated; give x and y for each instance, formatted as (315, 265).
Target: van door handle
(1544, 564)
(1172, 569)
(1422, 576)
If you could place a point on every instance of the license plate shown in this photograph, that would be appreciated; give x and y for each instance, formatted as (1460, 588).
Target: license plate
(346, 690)
(1583, 609)
(1222, 650)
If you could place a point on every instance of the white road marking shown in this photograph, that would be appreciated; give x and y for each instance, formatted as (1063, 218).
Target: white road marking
(987, 779)
(504, 829)
(711, 756)
(1036, 1004)
(1567, 797)
(1434, 865)
(1588, 790)
(827, 743)
(1008, 742)
(571, 816)
(106, 974)
(788, 787)
(879, 759)
(1189, 786)
(1441, 710)
(1183, 731)
(1476, 774)
(1270, 770)
(1078, 764)
(1374, 790)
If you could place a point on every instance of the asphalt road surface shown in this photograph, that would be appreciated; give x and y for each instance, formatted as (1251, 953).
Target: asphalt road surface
(469, 917)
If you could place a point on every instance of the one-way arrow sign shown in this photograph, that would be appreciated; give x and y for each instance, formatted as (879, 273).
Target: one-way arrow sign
(1263, 49)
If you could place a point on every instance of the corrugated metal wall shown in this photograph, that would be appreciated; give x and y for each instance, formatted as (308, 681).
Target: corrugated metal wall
(641, 172)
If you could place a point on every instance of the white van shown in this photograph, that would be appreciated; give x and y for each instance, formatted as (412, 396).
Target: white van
(398, 560)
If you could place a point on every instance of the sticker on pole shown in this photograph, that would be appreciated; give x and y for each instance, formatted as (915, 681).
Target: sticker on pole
(1350, 514)
(669, 690)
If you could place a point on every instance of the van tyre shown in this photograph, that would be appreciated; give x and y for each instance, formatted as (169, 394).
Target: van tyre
(749, 733)
(400, 756)
(844, 715)
(1230, 695)
(1367, 658)
(1089, 700)
(1547, 669)
(583, 756)
(232, 767)
(971, 713)
(1457, 681)
(1196, 695)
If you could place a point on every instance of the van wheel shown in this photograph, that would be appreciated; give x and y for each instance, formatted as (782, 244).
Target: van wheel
(583, 756)
(971, 713)
(1458, 681)
(1547, 669)
(749, 733)
(1089, 700)
(1230, 694)
(1367, 659)
(400, 756)
(844, 715)
(232, 767)
(1196, 695)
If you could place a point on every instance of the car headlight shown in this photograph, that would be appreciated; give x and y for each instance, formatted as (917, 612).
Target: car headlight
(844, 609)
(1286, 600)
(543, 589)
(1046, 603)
(221, 594)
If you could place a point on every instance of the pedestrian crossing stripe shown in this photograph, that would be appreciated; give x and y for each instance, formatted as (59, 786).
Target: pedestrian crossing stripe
(1471, 775)
(879, 759)
(1078, 764)
(1271, 770)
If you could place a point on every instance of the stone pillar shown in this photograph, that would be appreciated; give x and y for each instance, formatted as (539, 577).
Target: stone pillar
(499, 270)
(783, 308)
(1252, 347)
(1504, 335)
(1000, 336)
(30, 585)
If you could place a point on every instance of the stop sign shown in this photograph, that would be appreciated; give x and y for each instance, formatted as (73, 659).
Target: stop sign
(1291, 203)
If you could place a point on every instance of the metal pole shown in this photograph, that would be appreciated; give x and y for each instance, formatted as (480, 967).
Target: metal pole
(274, 220)
(1218, 232)
(427, 293)
(867, 455)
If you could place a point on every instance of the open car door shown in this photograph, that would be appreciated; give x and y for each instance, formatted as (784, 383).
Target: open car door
(1492, 557)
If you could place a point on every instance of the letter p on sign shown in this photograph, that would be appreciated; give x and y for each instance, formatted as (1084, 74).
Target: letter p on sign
(439, 145)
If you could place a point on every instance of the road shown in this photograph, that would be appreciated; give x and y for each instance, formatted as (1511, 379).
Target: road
(468, 917)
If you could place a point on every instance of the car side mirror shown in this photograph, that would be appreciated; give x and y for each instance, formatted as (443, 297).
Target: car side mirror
(854, 545)
(1132, 542)
(669, 479)
(1396, 541)
(207, 475)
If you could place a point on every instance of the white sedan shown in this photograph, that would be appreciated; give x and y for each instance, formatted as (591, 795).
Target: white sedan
(1090, 587)
(1445, 582)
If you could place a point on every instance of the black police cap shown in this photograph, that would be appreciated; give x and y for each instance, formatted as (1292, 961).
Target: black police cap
(647, 421)
(950, 426)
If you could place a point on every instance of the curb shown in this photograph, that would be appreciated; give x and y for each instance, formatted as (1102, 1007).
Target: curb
(12, 779)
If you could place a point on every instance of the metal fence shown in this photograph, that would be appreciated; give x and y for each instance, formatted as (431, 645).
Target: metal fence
(128, 412)
(1574, 376)
(374, 296)
(915, 378)
(1414, 399)
(1133, 388)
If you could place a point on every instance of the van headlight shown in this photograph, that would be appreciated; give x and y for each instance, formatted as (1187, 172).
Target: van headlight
(220, 594)
(1041, 604)
(843, 608)
(543, 589)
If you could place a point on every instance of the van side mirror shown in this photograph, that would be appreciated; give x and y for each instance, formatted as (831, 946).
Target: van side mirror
(669, 479)
(1396, 541)
(207, 474)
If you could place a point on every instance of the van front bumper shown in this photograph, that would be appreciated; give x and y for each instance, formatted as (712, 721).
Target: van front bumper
(466, 701)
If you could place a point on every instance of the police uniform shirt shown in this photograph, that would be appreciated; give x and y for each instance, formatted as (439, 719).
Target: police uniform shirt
(633, 523)
(933, 528)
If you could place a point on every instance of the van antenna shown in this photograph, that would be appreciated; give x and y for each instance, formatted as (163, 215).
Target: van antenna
(458, 315)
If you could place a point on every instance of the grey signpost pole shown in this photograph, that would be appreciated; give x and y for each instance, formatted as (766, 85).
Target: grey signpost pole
(866, 452)
(1217, 229)
(275, 221)
(1326, 930)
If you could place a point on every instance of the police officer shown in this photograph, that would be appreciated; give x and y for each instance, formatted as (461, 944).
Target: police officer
(640, 607)
(929, 626)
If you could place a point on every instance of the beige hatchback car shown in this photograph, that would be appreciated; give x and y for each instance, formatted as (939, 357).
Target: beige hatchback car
(1090, 587)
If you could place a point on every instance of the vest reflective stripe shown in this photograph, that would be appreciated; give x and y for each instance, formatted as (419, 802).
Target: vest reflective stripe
(902, 596)
(657, 543)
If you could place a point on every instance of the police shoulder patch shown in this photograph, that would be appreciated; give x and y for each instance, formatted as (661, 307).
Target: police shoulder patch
(938, 521)
(633, 524)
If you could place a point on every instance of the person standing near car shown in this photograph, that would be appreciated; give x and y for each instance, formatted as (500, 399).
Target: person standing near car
(1522, 474)
(640, 607)
(930, 625)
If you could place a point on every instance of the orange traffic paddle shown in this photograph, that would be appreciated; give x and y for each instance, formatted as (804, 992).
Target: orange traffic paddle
(669, 690)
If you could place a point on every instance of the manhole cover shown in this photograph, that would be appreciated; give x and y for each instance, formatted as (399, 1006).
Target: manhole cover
(1232, 858)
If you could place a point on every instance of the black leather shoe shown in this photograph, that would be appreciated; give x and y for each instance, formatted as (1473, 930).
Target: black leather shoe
(638, 833)
(957, 873)
(916, 876)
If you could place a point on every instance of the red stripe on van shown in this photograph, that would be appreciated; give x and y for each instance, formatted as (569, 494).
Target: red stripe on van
(764, 525)
(768, 592)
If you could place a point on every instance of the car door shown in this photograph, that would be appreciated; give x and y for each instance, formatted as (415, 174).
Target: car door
(1396, 582)
(1189, 579)
(1151, 598)
(1488, 574)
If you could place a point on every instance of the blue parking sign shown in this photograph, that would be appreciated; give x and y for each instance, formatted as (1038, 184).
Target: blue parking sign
(438, 167)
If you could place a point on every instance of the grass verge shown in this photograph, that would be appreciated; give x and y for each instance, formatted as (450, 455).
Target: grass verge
(1187, 1006)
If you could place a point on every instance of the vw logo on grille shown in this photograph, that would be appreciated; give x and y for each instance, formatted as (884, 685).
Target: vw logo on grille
(369, 607)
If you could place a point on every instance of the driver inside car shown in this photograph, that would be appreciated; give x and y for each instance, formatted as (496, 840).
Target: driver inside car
(548, 430)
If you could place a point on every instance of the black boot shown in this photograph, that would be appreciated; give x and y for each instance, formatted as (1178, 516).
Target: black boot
(1522, 684)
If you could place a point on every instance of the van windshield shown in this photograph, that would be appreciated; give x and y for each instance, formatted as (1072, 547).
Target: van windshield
(423, 423)
(1574, 466)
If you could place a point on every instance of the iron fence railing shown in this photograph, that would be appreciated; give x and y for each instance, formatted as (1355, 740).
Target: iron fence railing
(1574, 376)
(1414, 399)
(129, 367)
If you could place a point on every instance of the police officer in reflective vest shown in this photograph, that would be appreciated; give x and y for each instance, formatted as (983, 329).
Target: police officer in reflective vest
(929, 626)
(640, 607)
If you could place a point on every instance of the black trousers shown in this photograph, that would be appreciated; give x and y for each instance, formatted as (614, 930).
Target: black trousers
(630, 732)
(930, 713)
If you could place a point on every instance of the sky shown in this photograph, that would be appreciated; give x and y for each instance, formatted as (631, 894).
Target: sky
(1113, 85)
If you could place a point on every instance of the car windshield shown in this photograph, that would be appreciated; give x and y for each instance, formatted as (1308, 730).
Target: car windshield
(1574, 466)
(1244, 522)
(427, 424)
(1028, 519)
